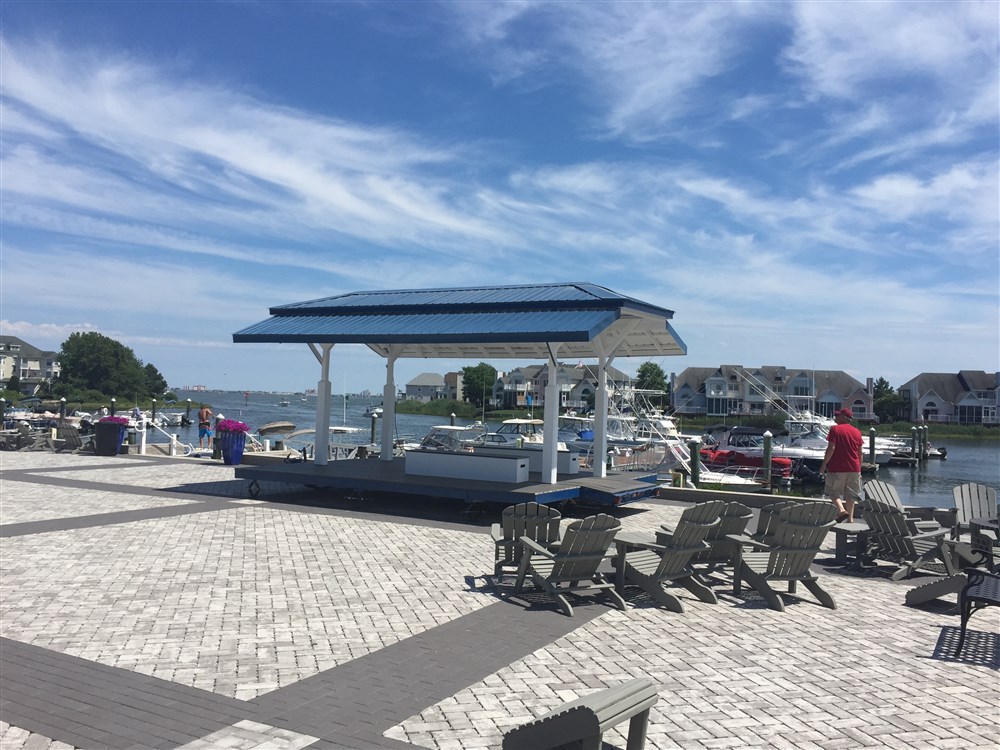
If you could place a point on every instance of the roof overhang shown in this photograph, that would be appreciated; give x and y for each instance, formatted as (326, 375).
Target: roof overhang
(478, 323)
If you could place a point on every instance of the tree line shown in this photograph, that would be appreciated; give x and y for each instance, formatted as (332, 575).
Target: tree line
(95, 368)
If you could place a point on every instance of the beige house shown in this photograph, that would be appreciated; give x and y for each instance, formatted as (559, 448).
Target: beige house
(33, 366)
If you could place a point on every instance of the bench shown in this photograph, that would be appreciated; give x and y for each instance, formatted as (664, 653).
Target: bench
(583, 722)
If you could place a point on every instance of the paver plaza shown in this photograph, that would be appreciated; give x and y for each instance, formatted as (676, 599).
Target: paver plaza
(147, 603)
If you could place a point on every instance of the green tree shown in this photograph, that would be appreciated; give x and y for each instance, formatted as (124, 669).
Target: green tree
(886, 402)
(477, 383)
(155, 383)
(92, 361)
(651, 377)
(14, 384)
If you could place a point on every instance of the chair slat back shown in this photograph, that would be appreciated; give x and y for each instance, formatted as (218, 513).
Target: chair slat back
(69, 434)
(733, 520)
(583, 546)
(538, 522)
(768, 515)
(974, 501)
(883, 492)
(796, 534)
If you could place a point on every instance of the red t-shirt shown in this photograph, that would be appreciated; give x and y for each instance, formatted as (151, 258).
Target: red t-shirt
(847, 442)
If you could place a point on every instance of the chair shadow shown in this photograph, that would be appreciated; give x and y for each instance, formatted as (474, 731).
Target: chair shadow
(981, 649)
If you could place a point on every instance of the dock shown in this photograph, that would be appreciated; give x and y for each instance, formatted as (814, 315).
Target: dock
(374, 475)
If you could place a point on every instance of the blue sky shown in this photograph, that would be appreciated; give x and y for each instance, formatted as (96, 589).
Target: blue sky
(807, 184)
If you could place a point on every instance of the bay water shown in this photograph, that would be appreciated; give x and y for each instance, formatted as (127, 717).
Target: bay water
(929, 484)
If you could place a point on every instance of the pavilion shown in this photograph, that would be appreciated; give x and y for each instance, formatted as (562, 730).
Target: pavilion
(536, 321)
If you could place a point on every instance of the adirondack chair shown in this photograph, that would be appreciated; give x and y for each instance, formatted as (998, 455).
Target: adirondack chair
(893, 538)
(68, 438)
(769, 515)
(972, 501)
(794, 537)
(574, 566)
(540, 523)
(650, 565)
(35, 440)
(886, 493)
(722, 551)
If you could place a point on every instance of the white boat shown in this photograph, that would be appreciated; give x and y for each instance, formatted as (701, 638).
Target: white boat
(373, 411)
(448, 437)
(518, 433)
(275, 428)
(284, 402)
(741, 481)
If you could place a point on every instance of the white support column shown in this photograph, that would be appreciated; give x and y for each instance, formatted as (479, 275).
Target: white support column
(550, 427)
(321, 450)
(601, 418)
(389, 404)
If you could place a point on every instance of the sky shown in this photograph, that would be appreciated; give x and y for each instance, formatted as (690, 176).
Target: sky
(807, 184)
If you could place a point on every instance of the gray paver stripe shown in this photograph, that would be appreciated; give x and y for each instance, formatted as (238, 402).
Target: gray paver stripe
(28, 528)
(359, 699)
(403, 679)
(81, 700)
(293, 504)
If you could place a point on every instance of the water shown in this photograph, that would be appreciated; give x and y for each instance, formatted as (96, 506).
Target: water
(927, 485)
(260, 408)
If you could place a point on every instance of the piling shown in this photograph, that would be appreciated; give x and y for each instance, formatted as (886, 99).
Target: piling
(767, 458)
(695, 447)
(871, 446)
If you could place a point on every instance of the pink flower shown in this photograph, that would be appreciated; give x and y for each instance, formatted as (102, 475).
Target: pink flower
(231, 425)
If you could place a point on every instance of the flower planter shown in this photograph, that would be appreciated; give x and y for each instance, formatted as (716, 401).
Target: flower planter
(108, 438)
(231, 444)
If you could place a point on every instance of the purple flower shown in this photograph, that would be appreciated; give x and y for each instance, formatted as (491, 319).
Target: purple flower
(231, 425)
(123, 421)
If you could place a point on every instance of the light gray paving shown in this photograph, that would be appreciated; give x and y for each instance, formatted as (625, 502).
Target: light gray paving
(250, 598)
(238, 602)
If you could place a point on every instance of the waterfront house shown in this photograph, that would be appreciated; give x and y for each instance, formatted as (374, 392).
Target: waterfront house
(733, 390)
(33, 366)
(427, 386)
(965, 397)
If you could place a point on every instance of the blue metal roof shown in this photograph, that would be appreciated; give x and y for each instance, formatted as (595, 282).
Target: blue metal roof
(496, 321)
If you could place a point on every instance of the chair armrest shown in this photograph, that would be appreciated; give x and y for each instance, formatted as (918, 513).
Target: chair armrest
(646, 545)
(496, 531)
(531, 547)
(749, 541)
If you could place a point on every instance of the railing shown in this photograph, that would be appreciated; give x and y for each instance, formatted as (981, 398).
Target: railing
(186, 449)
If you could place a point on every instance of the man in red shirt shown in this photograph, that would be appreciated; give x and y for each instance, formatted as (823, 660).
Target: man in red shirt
(842, 464)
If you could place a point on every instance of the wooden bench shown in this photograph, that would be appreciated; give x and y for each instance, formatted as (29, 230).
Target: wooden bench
(583, 722)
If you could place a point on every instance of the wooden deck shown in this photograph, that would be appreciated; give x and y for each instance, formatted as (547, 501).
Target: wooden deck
(373, 475)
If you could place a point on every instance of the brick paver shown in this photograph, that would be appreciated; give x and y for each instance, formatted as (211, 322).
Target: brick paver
(149, 603)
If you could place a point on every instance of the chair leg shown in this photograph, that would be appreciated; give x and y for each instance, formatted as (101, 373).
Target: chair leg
(966, 608)
(616, 599)
(654, 589)
(821, 595)
(762, 587)
(699, 589)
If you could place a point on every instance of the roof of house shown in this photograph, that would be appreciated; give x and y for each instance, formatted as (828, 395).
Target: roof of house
(26, 350)
(494, 321)
(431, 379)
(952, 386)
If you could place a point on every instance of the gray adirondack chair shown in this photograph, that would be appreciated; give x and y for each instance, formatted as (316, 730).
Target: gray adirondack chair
(35, 440)
(795, 534)
(68, 438)
(972, 501)
(886, 493)
(767, 516)
(650, 566)
(893, 538)
(721, 549)
(538, 522)
(574, 566)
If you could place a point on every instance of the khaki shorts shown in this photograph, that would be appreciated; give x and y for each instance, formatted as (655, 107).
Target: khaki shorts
(843, 484)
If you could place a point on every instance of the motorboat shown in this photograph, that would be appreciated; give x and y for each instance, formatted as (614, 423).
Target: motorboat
(448, 437)
(373, 411)
(275, 428)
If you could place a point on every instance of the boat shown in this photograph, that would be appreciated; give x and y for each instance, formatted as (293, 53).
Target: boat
(275, 428)
(679, 461)
(284, 402)
(373, 411)
(448, 437)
